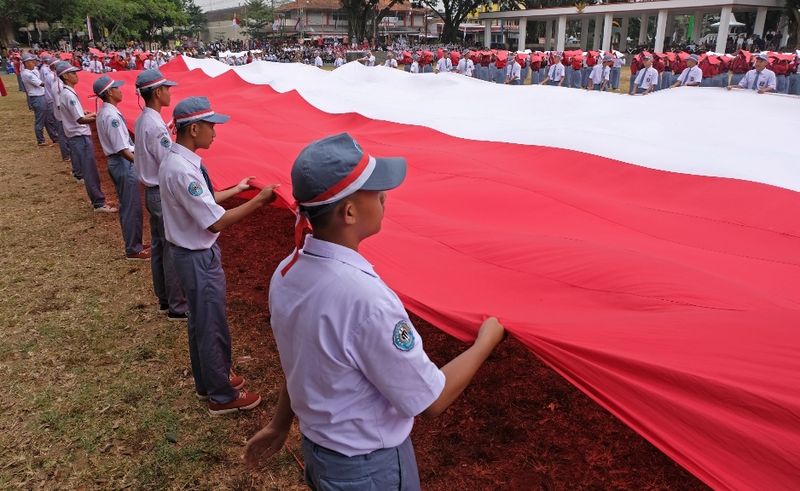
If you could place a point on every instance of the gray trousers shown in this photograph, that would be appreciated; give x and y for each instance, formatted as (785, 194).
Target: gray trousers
(41, 120)
(81, 150)
(130, 201)
(166, 285)
(63, 143)
(203, 280)
(385, 469)
(51, 123)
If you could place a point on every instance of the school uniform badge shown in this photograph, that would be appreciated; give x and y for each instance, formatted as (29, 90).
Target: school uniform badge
(165, 141)
(195, 189)
(403, 336)
(114, 123)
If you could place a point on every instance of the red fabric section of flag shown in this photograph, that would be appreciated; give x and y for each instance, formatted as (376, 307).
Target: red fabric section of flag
(670, 299)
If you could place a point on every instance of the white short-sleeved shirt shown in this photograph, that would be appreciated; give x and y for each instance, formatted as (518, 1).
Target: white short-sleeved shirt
(318, 62)
(355, 368)
(96, 66)
(71, 111)
(151, 146)
(691, 75)
(513, 71)
(465, 67)
(112, 131)
(600, 73)
(339, 62)
(46, 75)
(556, 72)
(391, 63)
(55, 86)
(150, 64)
(188, 205)
(646, 77)
(32, 82)
(754, 80)
(371, 60)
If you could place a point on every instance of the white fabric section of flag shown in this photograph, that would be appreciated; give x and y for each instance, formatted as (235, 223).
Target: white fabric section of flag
(692, 130)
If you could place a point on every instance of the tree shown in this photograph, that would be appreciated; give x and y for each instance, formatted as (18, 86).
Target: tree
(258, 15)
(453, 14)
(793, 13)
(363, 15)
(196, 20)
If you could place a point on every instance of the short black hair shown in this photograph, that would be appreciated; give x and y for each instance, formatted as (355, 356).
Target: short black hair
(104, 96)
(181, 130)
(147, 94)
(319, 216)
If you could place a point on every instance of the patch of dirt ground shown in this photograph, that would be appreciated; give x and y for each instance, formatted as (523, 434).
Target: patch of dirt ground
(96, 393)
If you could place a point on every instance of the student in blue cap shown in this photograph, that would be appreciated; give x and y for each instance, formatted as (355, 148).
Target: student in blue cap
(118, 149)
(193, 220)
(356, 372)
(152, 145)
(37, 99)
(79, 136)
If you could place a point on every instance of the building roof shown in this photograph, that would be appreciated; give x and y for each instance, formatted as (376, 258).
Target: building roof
(635, 7)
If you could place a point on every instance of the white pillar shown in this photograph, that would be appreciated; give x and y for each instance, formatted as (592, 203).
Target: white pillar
(697, 31)
(761, 18)
(598, 21)
(561, 32)
(623, 34)
(522, 33)
(608, 23)
(487, 33)
(548, 34)
(644, 19)
(584, 33)
(724, 27)
(661, 28)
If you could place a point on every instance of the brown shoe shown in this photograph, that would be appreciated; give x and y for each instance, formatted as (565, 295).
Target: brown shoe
(143, 255)
(244, 402)
(236, 381)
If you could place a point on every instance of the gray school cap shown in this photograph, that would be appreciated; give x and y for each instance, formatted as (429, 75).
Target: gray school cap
(150, 79)
(338, 161)
(63, 67)
(29, 57)
(105, 83)
(693, 58)
(194, 109)
(762, 56)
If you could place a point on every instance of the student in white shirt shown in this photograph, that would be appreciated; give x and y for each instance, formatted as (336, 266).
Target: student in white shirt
(600, 76)
(646, 79)
(556, 72)
(691, 76)
(513, 71)
(761, 79)
(390, 61)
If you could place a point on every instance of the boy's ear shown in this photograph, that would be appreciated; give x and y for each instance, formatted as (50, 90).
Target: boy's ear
(349, 212)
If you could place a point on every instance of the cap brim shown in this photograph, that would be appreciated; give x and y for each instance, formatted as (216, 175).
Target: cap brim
(216, 118)
(117, 83)
(170, 83)
(389, 173)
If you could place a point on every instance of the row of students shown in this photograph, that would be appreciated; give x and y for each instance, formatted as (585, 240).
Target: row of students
(370, 357)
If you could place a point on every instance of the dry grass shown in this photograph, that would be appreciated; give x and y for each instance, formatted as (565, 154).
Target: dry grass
(95, 388)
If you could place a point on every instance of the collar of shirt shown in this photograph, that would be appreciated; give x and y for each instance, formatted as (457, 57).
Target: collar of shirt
(323, 248)
(187, 154)
(155, 116)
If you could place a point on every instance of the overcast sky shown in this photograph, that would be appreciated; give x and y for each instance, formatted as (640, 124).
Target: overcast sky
(208, 5)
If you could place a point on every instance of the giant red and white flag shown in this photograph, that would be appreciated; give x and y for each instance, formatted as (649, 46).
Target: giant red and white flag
(646, 248)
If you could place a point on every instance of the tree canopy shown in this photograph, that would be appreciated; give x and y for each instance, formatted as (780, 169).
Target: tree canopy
(113, 20)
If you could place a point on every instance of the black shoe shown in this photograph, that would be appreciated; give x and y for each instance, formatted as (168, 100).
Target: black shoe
(172, 316)
(163, 308)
